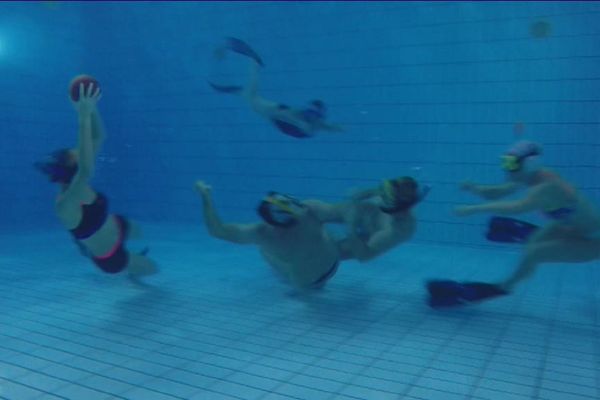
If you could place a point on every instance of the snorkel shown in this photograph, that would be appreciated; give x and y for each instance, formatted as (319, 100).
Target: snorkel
(401, 194)
(280, 210)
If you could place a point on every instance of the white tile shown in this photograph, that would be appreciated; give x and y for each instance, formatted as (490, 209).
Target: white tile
(489, 394)
(302, 392)
(369, 393)
(234, 389)
(204, 339)
(322, 382)
(546, 394)
(507, 387)
(40, 381)
(74, 391)
(569, 389)
(17, 391)
(107, 383)
(141, 393)
(171, 387)
(430, 394)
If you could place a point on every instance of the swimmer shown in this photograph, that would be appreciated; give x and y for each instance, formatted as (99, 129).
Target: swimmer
(378, 219)
(290, 238)
(299, 123)
(572, 234)
(83, 211)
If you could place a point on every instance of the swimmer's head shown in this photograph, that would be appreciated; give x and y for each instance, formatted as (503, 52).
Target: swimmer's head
(60, 166)
(401, 194)
(522, 160)
(316, 110)
(280, 210)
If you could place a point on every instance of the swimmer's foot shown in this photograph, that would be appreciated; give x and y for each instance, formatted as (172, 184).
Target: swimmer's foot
(447, 293)
(241, 47)
(226, 88)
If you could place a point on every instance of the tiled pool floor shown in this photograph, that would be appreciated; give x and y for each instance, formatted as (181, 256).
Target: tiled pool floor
(216, 324)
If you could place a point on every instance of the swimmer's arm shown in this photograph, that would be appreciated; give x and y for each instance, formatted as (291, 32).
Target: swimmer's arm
(378, 243)
(235, 233)
(326, 212)
(491, 192)
(98, 132)
(85, 168)
(527, 204)
(364, 194)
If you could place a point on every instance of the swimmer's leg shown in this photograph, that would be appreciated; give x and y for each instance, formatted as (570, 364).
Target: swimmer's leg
(139, 265)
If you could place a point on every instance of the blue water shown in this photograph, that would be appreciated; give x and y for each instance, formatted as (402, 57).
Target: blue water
(436, 90)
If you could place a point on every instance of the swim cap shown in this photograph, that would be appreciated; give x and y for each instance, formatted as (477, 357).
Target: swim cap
(402, 193)
(59, 166)
(514, 159)
(280, 210)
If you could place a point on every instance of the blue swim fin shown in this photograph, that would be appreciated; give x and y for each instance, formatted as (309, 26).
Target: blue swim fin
(509, 230)
(241, 47)
(446, 293)
(226, 88)
(477, 291)
(443, 293)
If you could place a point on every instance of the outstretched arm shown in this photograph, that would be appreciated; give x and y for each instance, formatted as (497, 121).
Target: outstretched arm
(98, 132)
(235, 233)
(490, 192)
(327, 212)
(531, 202)
(365, 194)
(85, 148)
(354, 247)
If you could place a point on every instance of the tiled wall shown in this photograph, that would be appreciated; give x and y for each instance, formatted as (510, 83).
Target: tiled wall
(41, 47)
(437, 89)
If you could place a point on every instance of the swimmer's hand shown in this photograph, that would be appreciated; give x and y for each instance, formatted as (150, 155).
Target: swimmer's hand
(88, 98)
(203, 188)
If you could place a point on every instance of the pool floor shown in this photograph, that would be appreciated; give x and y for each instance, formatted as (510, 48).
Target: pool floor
(217, 324)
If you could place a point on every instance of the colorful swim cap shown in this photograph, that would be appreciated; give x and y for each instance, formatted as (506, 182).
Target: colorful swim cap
(280, 210)
(402, 193)
(515, 157)
(58, 166)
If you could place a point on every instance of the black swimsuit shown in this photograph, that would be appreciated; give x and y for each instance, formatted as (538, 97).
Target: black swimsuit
(288, 128)
(93, 217)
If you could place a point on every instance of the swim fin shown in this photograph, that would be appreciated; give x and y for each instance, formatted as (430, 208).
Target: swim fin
(241, 47)
(443, 293)
(509, 230)
(446, 293)
(477, 291)
(225, 88)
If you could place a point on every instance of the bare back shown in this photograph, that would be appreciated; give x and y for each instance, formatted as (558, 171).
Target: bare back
(303, 253)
